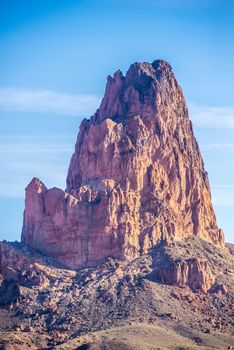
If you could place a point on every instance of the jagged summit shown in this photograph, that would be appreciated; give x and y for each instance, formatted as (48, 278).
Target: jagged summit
(136, 177)
(36, 185)
(119, 98)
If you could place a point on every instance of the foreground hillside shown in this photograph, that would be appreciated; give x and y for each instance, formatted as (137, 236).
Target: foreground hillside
(178, 296)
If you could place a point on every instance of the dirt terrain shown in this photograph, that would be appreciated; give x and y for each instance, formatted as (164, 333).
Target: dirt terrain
(119, 304)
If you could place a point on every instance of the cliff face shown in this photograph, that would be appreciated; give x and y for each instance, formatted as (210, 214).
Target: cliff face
(137, 177)
(195, 273)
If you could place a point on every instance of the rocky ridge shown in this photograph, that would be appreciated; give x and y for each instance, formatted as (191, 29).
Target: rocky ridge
(142, 304)
(136, 178)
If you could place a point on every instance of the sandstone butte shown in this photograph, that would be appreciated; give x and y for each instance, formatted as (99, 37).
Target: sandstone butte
(136, 177)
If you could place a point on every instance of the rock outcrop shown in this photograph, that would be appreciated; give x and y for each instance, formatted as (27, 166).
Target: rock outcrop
(60, 308)
(136, 178)
(194, 273)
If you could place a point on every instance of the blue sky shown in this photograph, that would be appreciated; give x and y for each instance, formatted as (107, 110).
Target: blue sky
(55, 57)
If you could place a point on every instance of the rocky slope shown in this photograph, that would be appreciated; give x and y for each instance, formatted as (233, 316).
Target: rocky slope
(177, 296)
(136, 178)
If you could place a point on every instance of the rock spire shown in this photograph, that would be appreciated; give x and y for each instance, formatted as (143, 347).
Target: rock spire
(136, 177)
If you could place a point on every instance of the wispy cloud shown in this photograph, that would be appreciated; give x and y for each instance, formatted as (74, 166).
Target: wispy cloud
(215, 146)
(229, 187)
(24, 144)
(24, 157)
(47, 101)
(54, 102)
(34, 148)
(212, 117)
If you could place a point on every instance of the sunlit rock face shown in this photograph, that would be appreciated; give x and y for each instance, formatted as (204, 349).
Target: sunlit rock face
(136, 177)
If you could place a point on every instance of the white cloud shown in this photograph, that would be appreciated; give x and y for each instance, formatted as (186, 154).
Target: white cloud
(26, 148)
(24, 144)
(24, 157)
(47, 101)
(231, 187)
(212, 117)
(215, 146)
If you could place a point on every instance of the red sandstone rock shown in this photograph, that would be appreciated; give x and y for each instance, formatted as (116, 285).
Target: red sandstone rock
(136, 177)
(194, 273)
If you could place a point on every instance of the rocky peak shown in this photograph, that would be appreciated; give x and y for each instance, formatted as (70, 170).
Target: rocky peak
(136, 177)
(36, 186)
(126, 95)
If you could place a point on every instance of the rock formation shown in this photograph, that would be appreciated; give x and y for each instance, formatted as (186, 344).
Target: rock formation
(195, 273)
(46, 306)
(136, 178)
